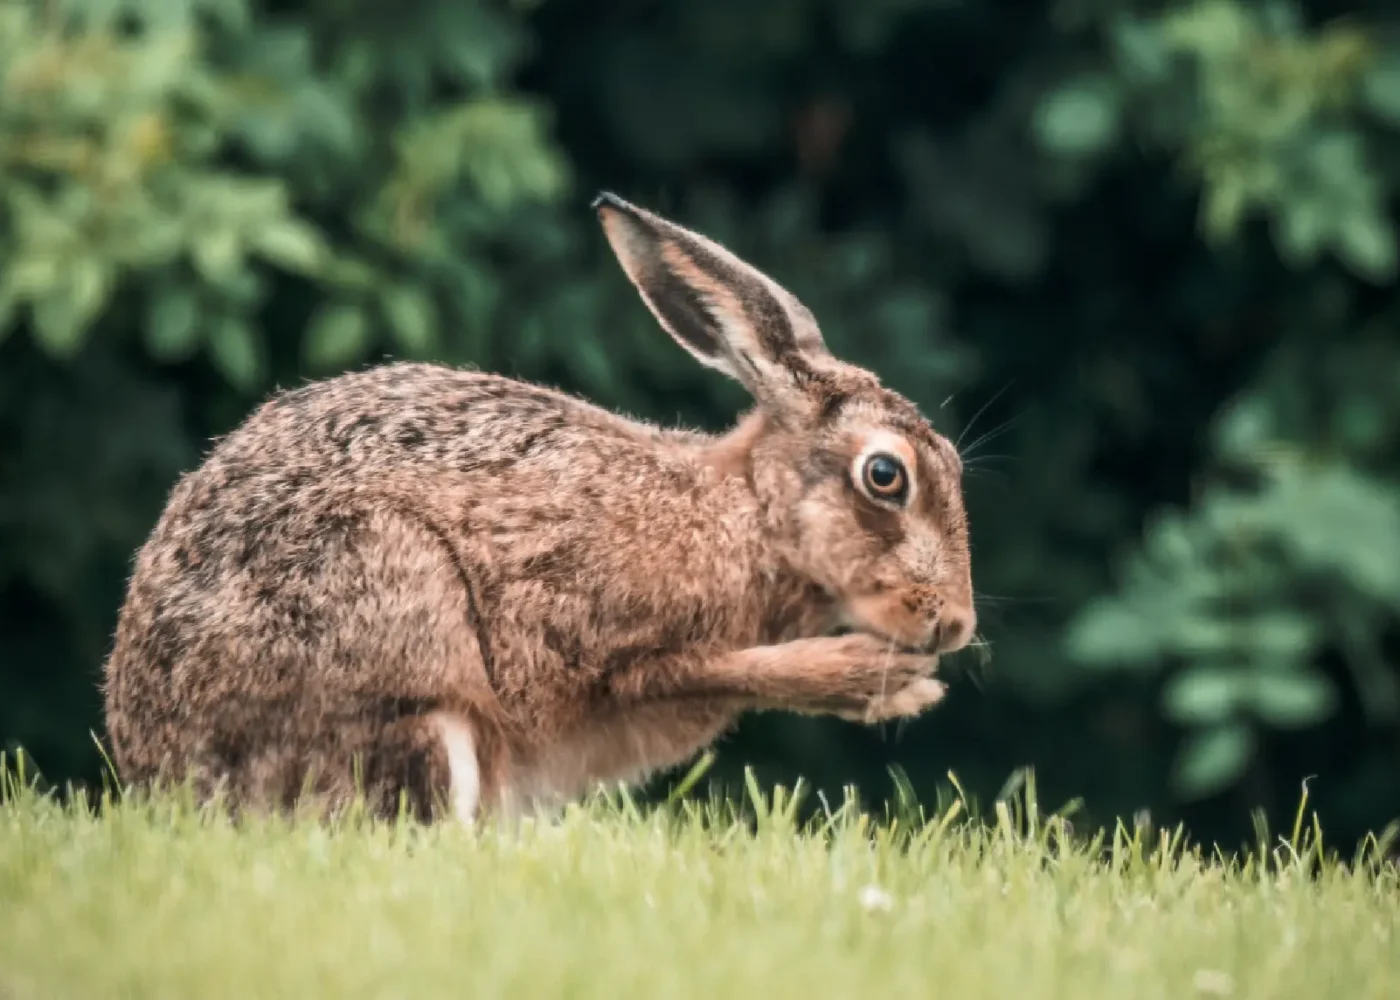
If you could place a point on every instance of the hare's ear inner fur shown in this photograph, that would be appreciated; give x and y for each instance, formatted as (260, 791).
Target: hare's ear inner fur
(728, 314)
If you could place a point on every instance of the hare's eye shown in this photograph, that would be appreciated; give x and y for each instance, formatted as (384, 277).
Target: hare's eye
(884, 477)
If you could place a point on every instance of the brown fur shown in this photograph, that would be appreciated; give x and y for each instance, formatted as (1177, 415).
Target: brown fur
(594, 597)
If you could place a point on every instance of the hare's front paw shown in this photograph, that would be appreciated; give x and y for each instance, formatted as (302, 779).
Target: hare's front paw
(883, 682)
(910, 700)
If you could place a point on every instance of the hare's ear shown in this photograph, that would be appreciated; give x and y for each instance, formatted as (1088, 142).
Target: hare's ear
(728, 314)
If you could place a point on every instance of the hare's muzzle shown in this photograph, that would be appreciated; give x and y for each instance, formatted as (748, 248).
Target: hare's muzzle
(953, 630)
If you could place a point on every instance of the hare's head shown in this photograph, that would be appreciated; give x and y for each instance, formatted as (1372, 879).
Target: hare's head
(864, 495)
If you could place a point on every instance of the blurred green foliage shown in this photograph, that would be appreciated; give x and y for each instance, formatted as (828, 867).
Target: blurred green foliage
(1141, 256)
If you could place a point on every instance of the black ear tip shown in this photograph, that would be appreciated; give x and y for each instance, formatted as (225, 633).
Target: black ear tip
(606, 199)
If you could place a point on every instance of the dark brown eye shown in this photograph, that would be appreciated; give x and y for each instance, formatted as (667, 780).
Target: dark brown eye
(885, 478)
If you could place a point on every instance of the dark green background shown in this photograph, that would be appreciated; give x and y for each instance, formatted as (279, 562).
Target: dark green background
(1139, 256)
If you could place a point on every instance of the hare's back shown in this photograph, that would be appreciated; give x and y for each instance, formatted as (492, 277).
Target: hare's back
(421, 417)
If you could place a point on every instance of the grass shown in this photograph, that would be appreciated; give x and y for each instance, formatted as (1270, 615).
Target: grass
(159, 899)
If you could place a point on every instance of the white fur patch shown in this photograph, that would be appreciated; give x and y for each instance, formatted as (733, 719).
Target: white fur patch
(460, 745)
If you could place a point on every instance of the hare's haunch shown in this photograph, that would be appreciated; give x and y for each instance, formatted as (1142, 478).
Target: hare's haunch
(481, 596)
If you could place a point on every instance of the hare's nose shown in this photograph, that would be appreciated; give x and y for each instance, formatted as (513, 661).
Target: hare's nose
(954, 629)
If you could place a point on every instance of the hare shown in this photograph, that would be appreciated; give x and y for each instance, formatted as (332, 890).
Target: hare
(475, 597)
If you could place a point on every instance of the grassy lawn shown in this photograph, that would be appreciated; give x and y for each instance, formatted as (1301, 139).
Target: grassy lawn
(157, 900)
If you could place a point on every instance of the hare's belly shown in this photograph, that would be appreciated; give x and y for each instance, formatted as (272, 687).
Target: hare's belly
(623, 747)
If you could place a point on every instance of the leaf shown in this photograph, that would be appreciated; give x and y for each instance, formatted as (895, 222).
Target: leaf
(1141, 49)
(236, 353)
(62, 317)
(1210, 761)
(1203, 694)
(1109, 634)
(1366, 244)
(1244, 426)
(32, 276)
(291, 244)
(1338, 521)
(338, 335)
(1079, 119)
(1300, 229)
(90, 279)
(500, 145)
(412, 319)
(172, 330)
(1293, 700)
(1380, 88)
(1223, 204)
(217, 255)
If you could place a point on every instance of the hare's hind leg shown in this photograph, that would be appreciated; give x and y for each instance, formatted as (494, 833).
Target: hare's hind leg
(398, 682)
(426, 764)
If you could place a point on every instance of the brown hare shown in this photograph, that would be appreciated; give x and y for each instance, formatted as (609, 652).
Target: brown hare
(475, 596)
